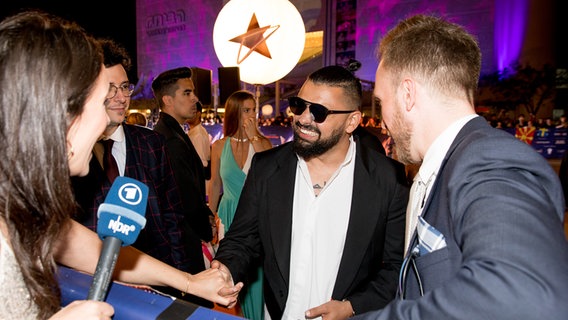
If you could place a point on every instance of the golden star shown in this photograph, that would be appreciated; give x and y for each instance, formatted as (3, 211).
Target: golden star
(254, 39)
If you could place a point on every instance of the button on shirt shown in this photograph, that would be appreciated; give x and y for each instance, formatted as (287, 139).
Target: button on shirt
(428, 172)
(319, 227)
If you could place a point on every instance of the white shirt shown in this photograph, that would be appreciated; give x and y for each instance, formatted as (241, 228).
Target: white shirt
(438, 150)
(200, 139)
(119, 149)
(319, 227)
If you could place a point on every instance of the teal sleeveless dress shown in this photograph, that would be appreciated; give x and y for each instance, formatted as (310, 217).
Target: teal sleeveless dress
(233, 180)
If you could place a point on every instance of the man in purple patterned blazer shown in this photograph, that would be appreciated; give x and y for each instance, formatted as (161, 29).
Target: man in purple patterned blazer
(140, 153)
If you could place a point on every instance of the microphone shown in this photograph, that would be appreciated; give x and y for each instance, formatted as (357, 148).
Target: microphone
(120, 219)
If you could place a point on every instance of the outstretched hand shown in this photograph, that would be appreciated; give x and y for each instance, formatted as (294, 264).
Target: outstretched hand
(211, 284)
(230, 290)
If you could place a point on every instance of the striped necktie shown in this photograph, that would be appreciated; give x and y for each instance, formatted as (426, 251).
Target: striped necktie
(418, 197)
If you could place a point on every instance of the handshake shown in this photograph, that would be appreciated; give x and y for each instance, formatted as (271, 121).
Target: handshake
(215, 284)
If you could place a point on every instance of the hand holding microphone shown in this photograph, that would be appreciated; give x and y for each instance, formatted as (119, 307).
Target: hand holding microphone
(120, 219)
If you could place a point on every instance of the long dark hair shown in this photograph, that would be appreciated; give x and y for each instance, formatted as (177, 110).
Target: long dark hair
(48, 67)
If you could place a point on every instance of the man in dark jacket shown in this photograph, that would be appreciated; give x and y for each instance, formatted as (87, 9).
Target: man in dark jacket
(175, 94)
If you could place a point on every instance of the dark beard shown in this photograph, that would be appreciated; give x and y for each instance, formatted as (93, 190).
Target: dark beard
(308, 150)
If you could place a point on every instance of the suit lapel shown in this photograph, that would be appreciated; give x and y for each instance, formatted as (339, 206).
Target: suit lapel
(472, 125)
(280, 211)
(363, 214)
(129, 169)
(178, 131)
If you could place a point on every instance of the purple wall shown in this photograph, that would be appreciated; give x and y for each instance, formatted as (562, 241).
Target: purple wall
(172, 33)
(375, 18)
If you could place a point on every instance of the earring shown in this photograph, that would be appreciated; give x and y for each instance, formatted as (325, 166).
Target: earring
(70, 150)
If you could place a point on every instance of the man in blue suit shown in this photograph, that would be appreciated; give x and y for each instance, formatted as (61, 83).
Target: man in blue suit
(485, 240)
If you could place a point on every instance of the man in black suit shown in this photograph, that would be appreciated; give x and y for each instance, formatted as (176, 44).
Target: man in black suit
(175, 93)
(325, 213)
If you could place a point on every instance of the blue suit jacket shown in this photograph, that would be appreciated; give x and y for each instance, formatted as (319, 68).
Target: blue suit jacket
(372, 255)
(146, 161)
(500, 207)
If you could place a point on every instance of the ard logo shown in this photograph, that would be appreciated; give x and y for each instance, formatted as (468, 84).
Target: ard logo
(130, 194)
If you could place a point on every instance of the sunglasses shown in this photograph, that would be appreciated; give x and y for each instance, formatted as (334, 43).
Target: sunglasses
(319, 112)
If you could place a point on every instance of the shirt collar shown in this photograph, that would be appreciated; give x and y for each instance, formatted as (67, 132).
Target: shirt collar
(437, 151)
(117, 135)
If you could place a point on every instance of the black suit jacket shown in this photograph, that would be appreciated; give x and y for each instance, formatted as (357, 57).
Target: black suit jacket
(189, 174)
(262, 227)
(369, 139)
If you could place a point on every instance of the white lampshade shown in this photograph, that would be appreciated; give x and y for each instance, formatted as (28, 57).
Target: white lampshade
(264, 38)
(267, 110)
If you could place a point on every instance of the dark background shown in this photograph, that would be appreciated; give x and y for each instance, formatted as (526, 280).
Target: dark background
(102, 19)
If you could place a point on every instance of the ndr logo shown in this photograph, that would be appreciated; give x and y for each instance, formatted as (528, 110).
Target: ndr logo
(130, 194)
(118, 226)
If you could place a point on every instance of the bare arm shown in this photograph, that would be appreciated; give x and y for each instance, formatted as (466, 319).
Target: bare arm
(80, 248)
(216, 182)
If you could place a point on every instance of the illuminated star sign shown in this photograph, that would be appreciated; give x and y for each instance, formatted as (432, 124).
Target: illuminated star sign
(254, 39)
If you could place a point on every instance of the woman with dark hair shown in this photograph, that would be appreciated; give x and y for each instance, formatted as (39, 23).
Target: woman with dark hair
(51, 71)
(230, 160)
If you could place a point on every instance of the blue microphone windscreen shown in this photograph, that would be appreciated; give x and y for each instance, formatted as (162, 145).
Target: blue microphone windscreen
(122, 213)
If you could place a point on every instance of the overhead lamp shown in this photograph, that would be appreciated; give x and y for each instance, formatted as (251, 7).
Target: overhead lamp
(264, 38)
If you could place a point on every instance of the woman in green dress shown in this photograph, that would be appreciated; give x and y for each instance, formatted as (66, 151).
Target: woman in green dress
(230, 160)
